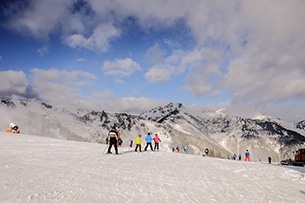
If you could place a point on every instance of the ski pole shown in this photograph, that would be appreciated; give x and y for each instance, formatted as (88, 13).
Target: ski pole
(105, 149)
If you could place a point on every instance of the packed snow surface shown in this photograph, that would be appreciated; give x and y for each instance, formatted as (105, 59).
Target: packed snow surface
(40, 169)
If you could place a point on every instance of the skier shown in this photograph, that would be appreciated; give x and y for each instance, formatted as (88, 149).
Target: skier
(206, 151)
(247, 155)
(113, 140)
(120, 141)
(130, 143)
(138, 143)
(269, 160)
(13, 129)
(239, 157)
(186, 149)
(148, 139)
(156, 140)
(177, 149)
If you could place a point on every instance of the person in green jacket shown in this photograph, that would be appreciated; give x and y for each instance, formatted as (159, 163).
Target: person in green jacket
(138, 143)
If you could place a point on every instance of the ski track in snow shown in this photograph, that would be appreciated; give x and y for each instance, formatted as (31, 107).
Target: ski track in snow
(40, 169)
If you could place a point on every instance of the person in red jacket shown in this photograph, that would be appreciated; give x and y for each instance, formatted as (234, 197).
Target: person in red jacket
(13, 129)
(120, 141)
(156, 140)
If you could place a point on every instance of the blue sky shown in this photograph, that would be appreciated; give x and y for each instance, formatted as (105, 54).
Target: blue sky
(243, 56)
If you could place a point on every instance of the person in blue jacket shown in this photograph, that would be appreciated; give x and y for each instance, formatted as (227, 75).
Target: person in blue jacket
(148, 140)
(186, 149)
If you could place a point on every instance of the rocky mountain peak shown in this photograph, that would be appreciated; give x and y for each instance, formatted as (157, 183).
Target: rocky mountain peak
(301, 125)
(159, 114)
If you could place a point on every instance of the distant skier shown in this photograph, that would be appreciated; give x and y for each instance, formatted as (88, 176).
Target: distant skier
(113, 140)
(269, 160)
(186, 149)
(13, 129)
(247, 155)
(138, 143)
(148, 140)
(130, 143)
(120, 141)
(239, 157)
(177, 149)
(206, 151)
(156, 140)
(173, 149)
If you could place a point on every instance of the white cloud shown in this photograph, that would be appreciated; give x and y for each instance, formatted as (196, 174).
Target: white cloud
(265, 79)
(137, 105)
(42, 51)
(198, 82)
(40, 17)
(149, 13)
(155, 54)
(109, 101)
(15, 83)
(99, 40)
(80, 60)
(120, 67)
(268, 68)
(199, 63)
(251, 49)
(173, 65)
(103, 96)
(61, 86)
(160, 73)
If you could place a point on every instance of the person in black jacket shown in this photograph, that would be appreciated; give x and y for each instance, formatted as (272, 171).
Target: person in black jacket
(113, 139)
(206, 151)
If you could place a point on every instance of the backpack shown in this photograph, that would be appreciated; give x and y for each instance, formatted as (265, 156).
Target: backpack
(120, 141)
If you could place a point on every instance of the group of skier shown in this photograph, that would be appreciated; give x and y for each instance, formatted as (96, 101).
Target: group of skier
(114, 139)
(247, 156)
(148, 140)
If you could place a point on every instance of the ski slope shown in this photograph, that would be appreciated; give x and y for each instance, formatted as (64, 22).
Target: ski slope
(40, 169)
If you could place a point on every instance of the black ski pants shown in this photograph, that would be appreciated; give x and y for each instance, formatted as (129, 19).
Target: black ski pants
(113, 141)
(156, 146)
(138, 146)
(149, 143)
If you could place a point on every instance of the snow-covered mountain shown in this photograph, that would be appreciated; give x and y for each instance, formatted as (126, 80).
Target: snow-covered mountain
(176, 124)
(235, 134)
(301, 125)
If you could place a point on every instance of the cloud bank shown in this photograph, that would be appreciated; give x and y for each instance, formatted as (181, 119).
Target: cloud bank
(250, 50)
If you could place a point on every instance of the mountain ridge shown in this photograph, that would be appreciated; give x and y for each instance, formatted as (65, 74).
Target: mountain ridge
(177, 125)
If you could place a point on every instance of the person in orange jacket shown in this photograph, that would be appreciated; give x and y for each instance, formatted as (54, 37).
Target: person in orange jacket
(13, 129)
(120, 141)
(247, 155)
